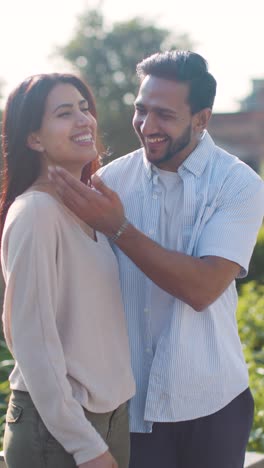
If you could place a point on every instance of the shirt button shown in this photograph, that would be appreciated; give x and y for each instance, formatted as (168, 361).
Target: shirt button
(154, 196)
(146, 311)
(151, 231)
(149, 350)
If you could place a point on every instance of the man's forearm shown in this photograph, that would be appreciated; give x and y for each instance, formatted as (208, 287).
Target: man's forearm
(197, 282)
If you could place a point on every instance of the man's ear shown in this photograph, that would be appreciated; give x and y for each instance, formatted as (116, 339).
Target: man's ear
(202, 118)
(34, 143)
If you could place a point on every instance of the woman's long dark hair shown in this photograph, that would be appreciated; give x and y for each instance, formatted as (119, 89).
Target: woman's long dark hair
(23, 114)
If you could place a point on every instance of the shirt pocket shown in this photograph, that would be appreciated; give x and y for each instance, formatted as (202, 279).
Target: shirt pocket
(14, 413)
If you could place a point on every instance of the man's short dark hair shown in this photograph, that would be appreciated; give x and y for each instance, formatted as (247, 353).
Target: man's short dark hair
(184, 67)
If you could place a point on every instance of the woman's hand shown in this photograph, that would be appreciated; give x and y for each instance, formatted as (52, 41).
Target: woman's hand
(103, 461)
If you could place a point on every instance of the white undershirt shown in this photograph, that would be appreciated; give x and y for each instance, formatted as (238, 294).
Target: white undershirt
(170, 189)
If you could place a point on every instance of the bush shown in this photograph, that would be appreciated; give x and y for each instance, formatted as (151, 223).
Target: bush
(250, 317)
(6, 365)
(256, 270)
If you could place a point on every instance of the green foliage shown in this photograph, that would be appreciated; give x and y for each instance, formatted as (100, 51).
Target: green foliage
(107, 59)
(6, 364)
(256, 269)
(250, 316)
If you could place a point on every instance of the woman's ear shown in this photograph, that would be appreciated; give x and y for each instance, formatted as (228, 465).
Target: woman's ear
(34, 143)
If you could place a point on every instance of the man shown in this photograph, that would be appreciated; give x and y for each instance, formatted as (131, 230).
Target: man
(192, 213)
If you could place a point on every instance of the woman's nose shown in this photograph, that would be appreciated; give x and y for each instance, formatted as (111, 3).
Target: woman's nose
(85, 120)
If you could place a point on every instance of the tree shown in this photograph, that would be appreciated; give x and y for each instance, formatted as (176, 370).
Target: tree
(107, 60)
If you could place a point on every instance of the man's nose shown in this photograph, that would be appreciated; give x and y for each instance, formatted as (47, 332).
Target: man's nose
(148, 124)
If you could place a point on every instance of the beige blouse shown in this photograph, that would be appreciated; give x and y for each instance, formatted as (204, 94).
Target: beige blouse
(64, 321)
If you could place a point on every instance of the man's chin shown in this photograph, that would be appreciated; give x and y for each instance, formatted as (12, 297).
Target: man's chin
(154, 157)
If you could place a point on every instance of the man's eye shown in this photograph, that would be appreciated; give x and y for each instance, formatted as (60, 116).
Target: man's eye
(85, 110)
(165, 116)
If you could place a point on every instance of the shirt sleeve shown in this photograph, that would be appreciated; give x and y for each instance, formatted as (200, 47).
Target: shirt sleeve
(29, 253)
(231, 231)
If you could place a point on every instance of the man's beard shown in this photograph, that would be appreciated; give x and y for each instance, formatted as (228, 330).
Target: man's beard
(177, 146)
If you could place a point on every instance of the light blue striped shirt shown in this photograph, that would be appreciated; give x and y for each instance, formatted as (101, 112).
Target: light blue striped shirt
(198, 365)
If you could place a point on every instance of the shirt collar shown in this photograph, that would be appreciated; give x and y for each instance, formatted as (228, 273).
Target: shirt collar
(196, 161)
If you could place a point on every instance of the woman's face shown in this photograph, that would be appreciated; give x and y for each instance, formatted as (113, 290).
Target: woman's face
(68, 131)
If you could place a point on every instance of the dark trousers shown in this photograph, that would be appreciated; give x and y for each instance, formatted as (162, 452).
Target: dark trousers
(215, 441)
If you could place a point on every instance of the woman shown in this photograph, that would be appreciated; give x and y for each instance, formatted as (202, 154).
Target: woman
(63, 317)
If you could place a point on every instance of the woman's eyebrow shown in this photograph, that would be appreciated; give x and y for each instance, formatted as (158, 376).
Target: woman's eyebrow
(62, 106)
(82, 101)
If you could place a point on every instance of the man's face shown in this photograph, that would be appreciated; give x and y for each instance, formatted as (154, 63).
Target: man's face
(164, 123)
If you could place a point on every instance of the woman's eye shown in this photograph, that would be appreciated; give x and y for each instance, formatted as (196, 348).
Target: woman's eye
(64, 114)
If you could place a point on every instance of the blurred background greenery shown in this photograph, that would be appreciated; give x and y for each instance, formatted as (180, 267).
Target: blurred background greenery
(107, 59)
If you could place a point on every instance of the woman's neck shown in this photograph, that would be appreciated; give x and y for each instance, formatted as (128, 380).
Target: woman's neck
(73, 170)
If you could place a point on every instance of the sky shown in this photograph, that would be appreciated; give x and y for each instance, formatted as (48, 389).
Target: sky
(228, 33)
